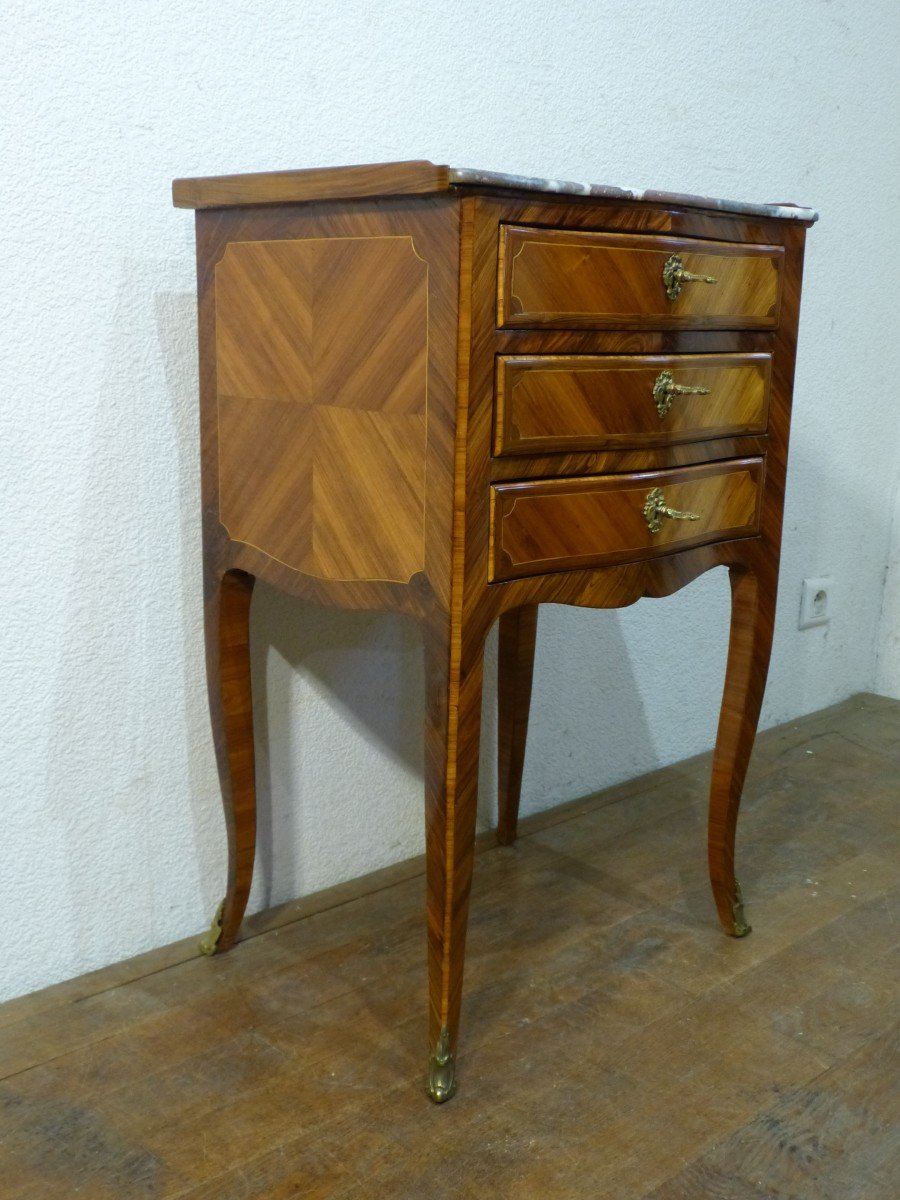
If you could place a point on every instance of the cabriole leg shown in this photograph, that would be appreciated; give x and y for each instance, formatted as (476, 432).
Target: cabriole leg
(752, 622)
(227, 621)
(515, 669)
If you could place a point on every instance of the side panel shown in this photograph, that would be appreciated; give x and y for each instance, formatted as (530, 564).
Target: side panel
(322, 357)
(331, 391)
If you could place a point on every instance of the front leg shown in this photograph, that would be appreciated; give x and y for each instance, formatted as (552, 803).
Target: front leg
(752, 624)
(453, 681)
(227, 622)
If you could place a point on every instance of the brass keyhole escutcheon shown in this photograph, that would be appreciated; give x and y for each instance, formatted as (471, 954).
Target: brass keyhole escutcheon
(656, 511)
(674, 276)
(665, 389)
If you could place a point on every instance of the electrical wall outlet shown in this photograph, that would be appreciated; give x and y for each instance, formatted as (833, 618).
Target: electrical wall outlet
(815, 602)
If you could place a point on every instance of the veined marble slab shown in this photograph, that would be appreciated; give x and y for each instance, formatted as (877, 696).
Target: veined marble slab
(496, 179)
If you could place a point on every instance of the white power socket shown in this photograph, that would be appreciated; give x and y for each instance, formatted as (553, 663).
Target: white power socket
(815, 602)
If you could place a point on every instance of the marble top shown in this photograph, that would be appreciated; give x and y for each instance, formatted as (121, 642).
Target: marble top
(423, 178)
(463, 176)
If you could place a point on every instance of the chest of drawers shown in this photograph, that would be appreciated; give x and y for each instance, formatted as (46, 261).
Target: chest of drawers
(459, 395)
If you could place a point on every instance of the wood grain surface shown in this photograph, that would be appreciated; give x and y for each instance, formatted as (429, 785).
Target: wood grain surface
(616, 1045)
(317, 183)
(322, 369)
(566, 278)
(561, 524)
(227, 626)
(515, 668)
(557, 403)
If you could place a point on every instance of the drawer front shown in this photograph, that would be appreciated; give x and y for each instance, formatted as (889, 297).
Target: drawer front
(563, 279)
(550, 525)
(559, 402)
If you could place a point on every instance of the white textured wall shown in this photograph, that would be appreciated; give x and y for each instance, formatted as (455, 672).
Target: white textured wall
(112, 834)
(887, 677)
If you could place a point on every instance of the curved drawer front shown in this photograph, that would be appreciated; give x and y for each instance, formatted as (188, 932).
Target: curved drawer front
(559, 403)
(566, 279)
(549, 525)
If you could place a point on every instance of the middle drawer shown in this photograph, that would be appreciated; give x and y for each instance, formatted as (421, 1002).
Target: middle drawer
(560, 403)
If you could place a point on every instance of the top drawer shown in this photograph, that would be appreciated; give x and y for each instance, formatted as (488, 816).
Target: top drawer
(566, 279)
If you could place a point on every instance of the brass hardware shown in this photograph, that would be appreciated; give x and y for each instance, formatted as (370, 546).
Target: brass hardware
(441, 1082)
(675, 276)
(741, 928)
(655, 508)
(210, 941)
(665, 388)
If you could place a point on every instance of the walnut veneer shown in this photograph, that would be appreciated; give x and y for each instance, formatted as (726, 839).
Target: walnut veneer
(459, 396)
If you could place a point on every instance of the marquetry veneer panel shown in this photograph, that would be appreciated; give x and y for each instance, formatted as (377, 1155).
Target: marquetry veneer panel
(321, 357)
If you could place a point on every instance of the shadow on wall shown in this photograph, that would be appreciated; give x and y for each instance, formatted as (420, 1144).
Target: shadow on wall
(176, 325)
(590, 725)
(356, 681)
(329, 688)
(120, 699)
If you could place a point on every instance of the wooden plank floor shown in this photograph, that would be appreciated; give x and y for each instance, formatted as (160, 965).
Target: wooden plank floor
(615, 1043)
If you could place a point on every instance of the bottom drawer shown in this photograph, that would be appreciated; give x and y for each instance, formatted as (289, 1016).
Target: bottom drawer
(539, 526)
